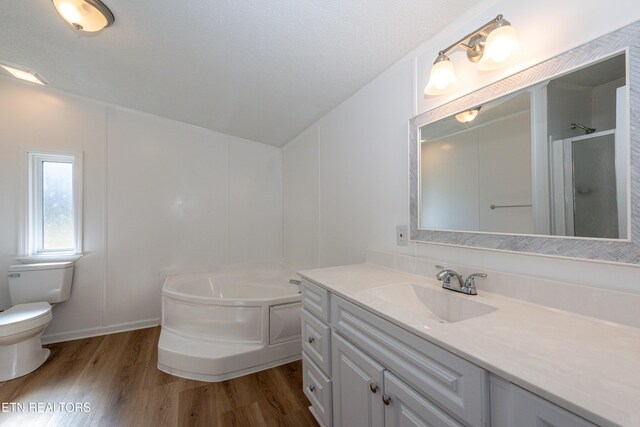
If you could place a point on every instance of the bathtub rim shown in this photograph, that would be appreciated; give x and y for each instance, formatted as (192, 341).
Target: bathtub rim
(243, 302)
(171, 292)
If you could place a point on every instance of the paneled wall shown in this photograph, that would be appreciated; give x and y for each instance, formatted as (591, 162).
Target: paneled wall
(159, 197)
(363, 155)
(464, 174)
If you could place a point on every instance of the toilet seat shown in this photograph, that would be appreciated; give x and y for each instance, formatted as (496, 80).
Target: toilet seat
(23, 317)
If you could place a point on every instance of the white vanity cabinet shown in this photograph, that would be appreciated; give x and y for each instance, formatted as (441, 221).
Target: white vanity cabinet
(316, 352)
(418, 377)
(365, 394)
(355, 356)
(362, 370)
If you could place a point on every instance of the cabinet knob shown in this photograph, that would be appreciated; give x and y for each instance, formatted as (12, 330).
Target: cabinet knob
(373, 387)
(386, 399)
(311, 340)
(312, 388)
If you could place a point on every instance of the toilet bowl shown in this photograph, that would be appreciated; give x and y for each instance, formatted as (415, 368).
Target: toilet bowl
(21, 350)
(33, 288)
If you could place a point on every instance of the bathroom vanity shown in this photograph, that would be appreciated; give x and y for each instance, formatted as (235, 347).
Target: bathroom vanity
(382, 347)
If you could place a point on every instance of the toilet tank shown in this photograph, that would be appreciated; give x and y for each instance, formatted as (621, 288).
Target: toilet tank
(45, 282)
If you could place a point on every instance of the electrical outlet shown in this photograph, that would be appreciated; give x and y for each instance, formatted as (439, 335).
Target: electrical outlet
(402, 238)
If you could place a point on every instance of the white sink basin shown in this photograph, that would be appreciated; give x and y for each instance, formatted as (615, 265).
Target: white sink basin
(439, 305)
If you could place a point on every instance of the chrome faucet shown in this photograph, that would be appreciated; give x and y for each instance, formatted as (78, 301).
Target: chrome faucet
(445, 277)
(467, 286)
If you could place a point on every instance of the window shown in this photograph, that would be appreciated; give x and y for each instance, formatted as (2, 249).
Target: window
(54, 209)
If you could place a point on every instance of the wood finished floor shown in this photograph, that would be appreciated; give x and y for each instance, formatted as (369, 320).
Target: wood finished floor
(117, 375)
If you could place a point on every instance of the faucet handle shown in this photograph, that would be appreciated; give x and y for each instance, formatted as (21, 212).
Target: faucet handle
(470, 283)
(444, 271)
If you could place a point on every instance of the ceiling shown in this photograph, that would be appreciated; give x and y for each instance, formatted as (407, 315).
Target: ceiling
(262, 70)
(597, 74)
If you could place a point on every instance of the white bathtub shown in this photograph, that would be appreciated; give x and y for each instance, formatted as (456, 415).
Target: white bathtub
(221, 325)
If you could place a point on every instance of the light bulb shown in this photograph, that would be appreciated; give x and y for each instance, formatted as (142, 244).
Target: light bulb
(442, 76)
(501, 43)
(69, 12)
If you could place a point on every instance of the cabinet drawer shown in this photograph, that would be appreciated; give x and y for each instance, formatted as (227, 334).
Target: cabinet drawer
(315, 299)
(460, 387)
(317, 388)
(316, 340)
(408, 408)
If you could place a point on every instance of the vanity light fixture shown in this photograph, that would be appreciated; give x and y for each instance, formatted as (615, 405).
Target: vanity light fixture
(85, 15)
(490, 46)
(468, 116)
(26, 75)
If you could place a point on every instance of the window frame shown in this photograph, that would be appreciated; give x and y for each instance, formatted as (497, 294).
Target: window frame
(31, 242)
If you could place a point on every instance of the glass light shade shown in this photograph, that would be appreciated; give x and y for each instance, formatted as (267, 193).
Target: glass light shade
(501, 43)
(24, 75)
(442, 77)
(467, 116)
(84, 15)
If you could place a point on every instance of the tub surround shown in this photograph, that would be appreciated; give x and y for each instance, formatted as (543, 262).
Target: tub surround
(586, 365)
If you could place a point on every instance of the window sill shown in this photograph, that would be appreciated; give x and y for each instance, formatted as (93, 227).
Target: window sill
(48, 258)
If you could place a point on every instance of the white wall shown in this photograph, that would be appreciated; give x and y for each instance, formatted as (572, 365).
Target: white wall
(301, 208)
(504, 174)
(449, 182)
(363, 173)
(159, 196)
(31, 117)
(465, 173)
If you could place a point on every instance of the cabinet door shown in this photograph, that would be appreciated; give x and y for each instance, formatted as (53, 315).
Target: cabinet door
(531, 410)
(456, 385)
(405, 407)
(514, 406)
(357, 386)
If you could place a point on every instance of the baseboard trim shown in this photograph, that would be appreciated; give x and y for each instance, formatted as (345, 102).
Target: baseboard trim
(100, 330)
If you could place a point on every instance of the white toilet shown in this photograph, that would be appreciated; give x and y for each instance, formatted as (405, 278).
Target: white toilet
(33, 287)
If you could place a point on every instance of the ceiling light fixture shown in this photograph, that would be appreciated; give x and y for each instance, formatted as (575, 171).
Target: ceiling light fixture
(468, 116)
(85, 15)
(28, 76)
(490, 46)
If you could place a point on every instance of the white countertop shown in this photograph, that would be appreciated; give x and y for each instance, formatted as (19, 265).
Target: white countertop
(588, 366)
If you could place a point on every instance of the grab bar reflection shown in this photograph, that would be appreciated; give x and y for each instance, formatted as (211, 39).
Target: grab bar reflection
(509, 206)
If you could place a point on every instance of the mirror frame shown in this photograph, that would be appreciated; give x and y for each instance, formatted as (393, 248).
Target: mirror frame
(626, 39)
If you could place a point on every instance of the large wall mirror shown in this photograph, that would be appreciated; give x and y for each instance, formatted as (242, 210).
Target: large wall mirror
(545, 161)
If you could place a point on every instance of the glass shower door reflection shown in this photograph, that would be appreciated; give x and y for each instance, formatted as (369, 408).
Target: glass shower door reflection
(595, 207)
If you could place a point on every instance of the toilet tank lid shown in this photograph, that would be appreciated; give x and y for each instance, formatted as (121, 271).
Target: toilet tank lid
(40, 266)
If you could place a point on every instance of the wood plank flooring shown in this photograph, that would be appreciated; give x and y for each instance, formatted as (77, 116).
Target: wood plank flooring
(117, 376)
